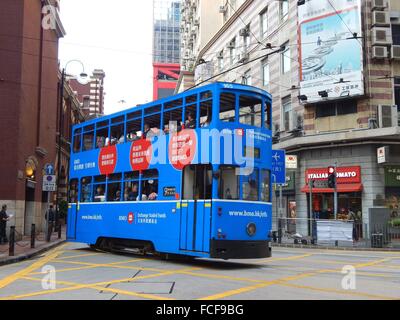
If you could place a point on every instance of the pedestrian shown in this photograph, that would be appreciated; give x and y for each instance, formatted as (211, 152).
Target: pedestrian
(3, 224)
(51, 218)
(356, 221)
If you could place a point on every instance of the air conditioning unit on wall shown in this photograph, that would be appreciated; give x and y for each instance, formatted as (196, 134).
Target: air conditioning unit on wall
(381, 18)
(379, 4)
(381, 36)
(387, 116)
(395, 53)
(379, 52)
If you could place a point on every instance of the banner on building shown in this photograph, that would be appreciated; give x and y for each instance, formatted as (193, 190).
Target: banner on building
(330, 57)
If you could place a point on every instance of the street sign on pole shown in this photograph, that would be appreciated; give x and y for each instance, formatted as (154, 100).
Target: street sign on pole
(279, 166)
(49, 183)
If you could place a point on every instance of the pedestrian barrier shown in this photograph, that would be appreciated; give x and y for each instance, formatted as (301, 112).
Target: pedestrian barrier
(12, 243)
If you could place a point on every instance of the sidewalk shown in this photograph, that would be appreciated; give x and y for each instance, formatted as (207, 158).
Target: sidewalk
(23, 249)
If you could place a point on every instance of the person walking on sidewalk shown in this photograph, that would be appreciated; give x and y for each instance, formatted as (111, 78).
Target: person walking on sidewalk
(3, 224)
(50, 214)
(356, 222)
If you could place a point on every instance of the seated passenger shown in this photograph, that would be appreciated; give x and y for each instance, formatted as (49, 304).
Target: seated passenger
(153, 195)
(133, 194)
(228, 194)
(99, 195)
(121, 139)
(190, 122)
(117, 196)
(100, 142)
(146, 130)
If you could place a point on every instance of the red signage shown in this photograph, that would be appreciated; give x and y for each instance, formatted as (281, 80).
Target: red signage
(140, 155)
(108, 160)
(182, 148)
(131, 217)
(343, 174)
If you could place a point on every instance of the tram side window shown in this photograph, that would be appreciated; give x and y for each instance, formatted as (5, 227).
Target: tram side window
(265, 185)
(86, 186)
(191, 116)
(131, 186)
(205, 113)
(77, 140)
(267, 116)
(73, 191)
(150, 185)
(173, 120)
(88, 135)
(227, 111)
(117, 133)
(114, 187)
(133, 130)
(102, 139)
(250, 183)
(250, 111)
(99, 189)
(197, 182)
(152, 125)
(228, 184)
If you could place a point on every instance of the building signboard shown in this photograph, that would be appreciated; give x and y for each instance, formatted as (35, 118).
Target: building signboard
(330, 56)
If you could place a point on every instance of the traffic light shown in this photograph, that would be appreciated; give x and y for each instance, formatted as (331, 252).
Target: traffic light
(331, 177)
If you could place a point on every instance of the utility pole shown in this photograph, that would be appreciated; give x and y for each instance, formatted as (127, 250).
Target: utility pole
(335, 196)
(311, 185)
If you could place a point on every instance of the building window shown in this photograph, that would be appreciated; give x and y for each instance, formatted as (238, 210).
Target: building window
(285, 58)
(232, 51)
(246, 39)
(265, 73)
(221, 60)
(284, 9)
(246, 79)
(397, 94)
(396, 34)
(336, 109)
(264, 23)
(287, 113)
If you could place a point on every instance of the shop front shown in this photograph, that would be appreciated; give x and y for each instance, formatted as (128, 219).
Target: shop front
(392, 190)
(349, 188)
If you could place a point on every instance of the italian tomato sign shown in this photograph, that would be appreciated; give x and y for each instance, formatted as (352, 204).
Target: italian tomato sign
(140, 155)
(131, 217)
(182, 148)
(108, 160)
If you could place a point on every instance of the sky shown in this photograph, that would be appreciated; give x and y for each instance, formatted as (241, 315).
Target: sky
(115, 36)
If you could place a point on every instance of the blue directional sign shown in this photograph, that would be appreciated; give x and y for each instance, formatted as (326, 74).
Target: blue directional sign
(49, 169)
(278, 167)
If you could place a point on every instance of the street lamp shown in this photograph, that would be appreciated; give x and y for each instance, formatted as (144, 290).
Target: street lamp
(82, 75)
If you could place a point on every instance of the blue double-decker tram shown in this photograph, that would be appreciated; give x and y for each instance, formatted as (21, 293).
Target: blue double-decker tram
(187, 175)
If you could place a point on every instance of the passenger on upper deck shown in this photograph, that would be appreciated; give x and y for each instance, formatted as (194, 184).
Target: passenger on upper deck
(133, 194)
(190, 123)
(153, 195)
(99, 196)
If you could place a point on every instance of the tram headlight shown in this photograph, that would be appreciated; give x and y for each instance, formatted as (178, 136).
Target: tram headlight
(251, 229)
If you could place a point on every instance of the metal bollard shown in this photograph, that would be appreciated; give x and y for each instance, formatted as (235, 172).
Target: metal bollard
(12, 242)
(279, 231)
(59, 231)
(33, 232)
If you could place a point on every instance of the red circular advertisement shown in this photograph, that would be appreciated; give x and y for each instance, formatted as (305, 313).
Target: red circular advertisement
(108, 160)
(182, 148)
(140, 155)
(131, 217)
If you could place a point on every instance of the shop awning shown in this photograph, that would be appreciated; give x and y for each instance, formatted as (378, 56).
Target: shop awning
(342, 188)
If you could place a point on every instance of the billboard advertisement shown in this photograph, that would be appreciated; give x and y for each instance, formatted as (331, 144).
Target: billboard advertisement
(330, 57)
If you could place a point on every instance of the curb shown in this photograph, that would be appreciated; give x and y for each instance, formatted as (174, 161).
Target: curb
(26, 256)
(302, 246)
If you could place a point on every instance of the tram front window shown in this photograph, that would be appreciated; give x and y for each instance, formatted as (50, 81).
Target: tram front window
(250, 111)
(228, 184)
(250, 185)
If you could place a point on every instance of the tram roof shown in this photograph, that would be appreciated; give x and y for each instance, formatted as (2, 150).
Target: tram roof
(209, 87)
